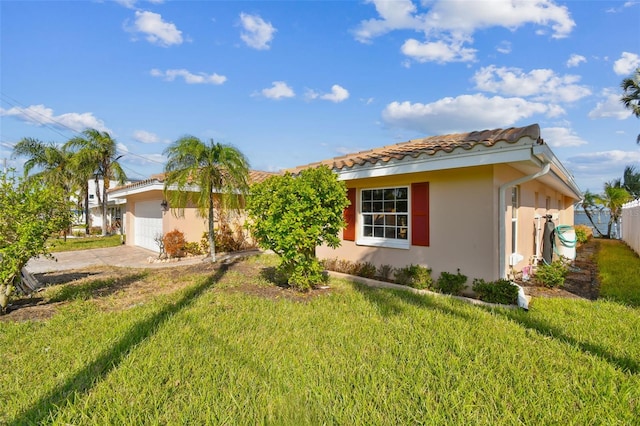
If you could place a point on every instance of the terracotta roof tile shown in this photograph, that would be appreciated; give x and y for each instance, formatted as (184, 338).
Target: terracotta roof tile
(255, 176)
(429, 146)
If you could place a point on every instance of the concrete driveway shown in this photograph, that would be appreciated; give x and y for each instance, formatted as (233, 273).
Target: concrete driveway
(123, 256)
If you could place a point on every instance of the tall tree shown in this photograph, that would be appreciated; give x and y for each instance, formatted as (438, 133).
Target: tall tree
(589, 204)
(613, 199)
(97, 151)
(630, 181)
(631, 94)
(30, 211)
(54, 165)
(219, 172)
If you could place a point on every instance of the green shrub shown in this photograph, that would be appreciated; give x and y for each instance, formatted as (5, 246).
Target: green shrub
(451, 283)
(95, 230)
(583, 233)
(501, 291)
(415, 276)
(384, 272)
(365, 269)
(552, 275)
(192, 248)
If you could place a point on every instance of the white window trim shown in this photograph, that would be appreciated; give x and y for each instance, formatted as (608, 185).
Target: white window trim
(381, 241)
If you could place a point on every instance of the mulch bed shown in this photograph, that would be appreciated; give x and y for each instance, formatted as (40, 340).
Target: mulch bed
(582, 280)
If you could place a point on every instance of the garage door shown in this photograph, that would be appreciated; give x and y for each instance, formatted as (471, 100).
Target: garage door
(147, 223)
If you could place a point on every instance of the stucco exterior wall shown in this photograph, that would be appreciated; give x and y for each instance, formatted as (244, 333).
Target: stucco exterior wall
(536, 200)
(462, 229)
(190, 224)
(464, 221)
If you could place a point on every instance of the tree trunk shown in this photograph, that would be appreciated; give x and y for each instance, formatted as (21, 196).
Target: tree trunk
(212, 241)
(588, 213)
(86, 208)
(105, 187)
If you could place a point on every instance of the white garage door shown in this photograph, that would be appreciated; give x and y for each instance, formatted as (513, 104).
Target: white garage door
(147, 224)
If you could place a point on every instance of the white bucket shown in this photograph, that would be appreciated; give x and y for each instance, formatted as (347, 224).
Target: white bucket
(566, 245)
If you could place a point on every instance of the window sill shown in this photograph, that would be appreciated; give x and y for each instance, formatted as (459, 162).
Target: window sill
(382, 242)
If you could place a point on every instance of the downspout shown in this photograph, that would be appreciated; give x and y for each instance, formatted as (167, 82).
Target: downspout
(502, 205)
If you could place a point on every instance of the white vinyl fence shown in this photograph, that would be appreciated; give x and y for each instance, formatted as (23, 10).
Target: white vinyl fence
(631, 225)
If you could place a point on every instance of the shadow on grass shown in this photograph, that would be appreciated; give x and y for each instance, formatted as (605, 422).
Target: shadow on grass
(394, 302)
(94, 372)
(96, 288)
(628, 365)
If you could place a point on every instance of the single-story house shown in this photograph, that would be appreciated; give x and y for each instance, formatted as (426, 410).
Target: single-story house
(149, 216)
(469, 201)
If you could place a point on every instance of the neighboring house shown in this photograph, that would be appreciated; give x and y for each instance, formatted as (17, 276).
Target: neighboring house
(149, 216)
(467, 201)
(115, 207)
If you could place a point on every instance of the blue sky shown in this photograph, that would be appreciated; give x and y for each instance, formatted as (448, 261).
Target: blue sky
(290, 83)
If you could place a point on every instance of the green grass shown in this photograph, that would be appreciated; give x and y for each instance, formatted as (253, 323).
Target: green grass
(84, 243)
(619, 272)
(214, 354)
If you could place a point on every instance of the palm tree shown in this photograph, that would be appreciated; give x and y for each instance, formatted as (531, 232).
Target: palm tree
(55, 164)
(213, 168)
(630, 181)
(589, 205)
(613, 199)
(631, 94)
(96, 151)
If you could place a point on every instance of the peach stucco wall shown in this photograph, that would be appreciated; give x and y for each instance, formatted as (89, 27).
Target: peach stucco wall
(464, 225)
(190, 223)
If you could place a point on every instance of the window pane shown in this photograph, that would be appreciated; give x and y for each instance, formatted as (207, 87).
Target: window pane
(389, 232)
(389, 194)
(402, 206)
(402, 194)
(368, 231)
(402, 233)
(389, 206)
(377, 194)
(368, 220)
(366, 195)
(403, 220)
(378, 231)
(367, 206)
(379, 219)
(377, 206)
(390, 220)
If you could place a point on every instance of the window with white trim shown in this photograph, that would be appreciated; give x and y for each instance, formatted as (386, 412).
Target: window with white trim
(385, 216)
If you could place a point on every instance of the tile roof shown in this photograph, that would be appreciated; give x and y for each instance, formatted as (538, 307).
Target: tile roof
(429, 146)
(255, 176)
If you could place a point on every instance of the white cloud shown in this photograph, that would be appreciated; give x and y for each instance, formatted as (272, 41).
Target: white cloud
(504, 47)
(157, 31)
(575, 60)
(627, 63)
(452, 21)
(438, 51)
(610, 107)
(561, 137)
(145, 137)
(129, 4)
(337, 94)
(257, 33)
(39, 115)
(590, 162)
(278, 90)
(461, 113)
(189, 78)
(540, 84)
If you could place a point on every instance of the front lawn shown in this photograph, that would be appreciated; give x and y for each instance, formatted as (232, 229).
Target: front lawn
(619, 272)
(84, 243)
(229, 347)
